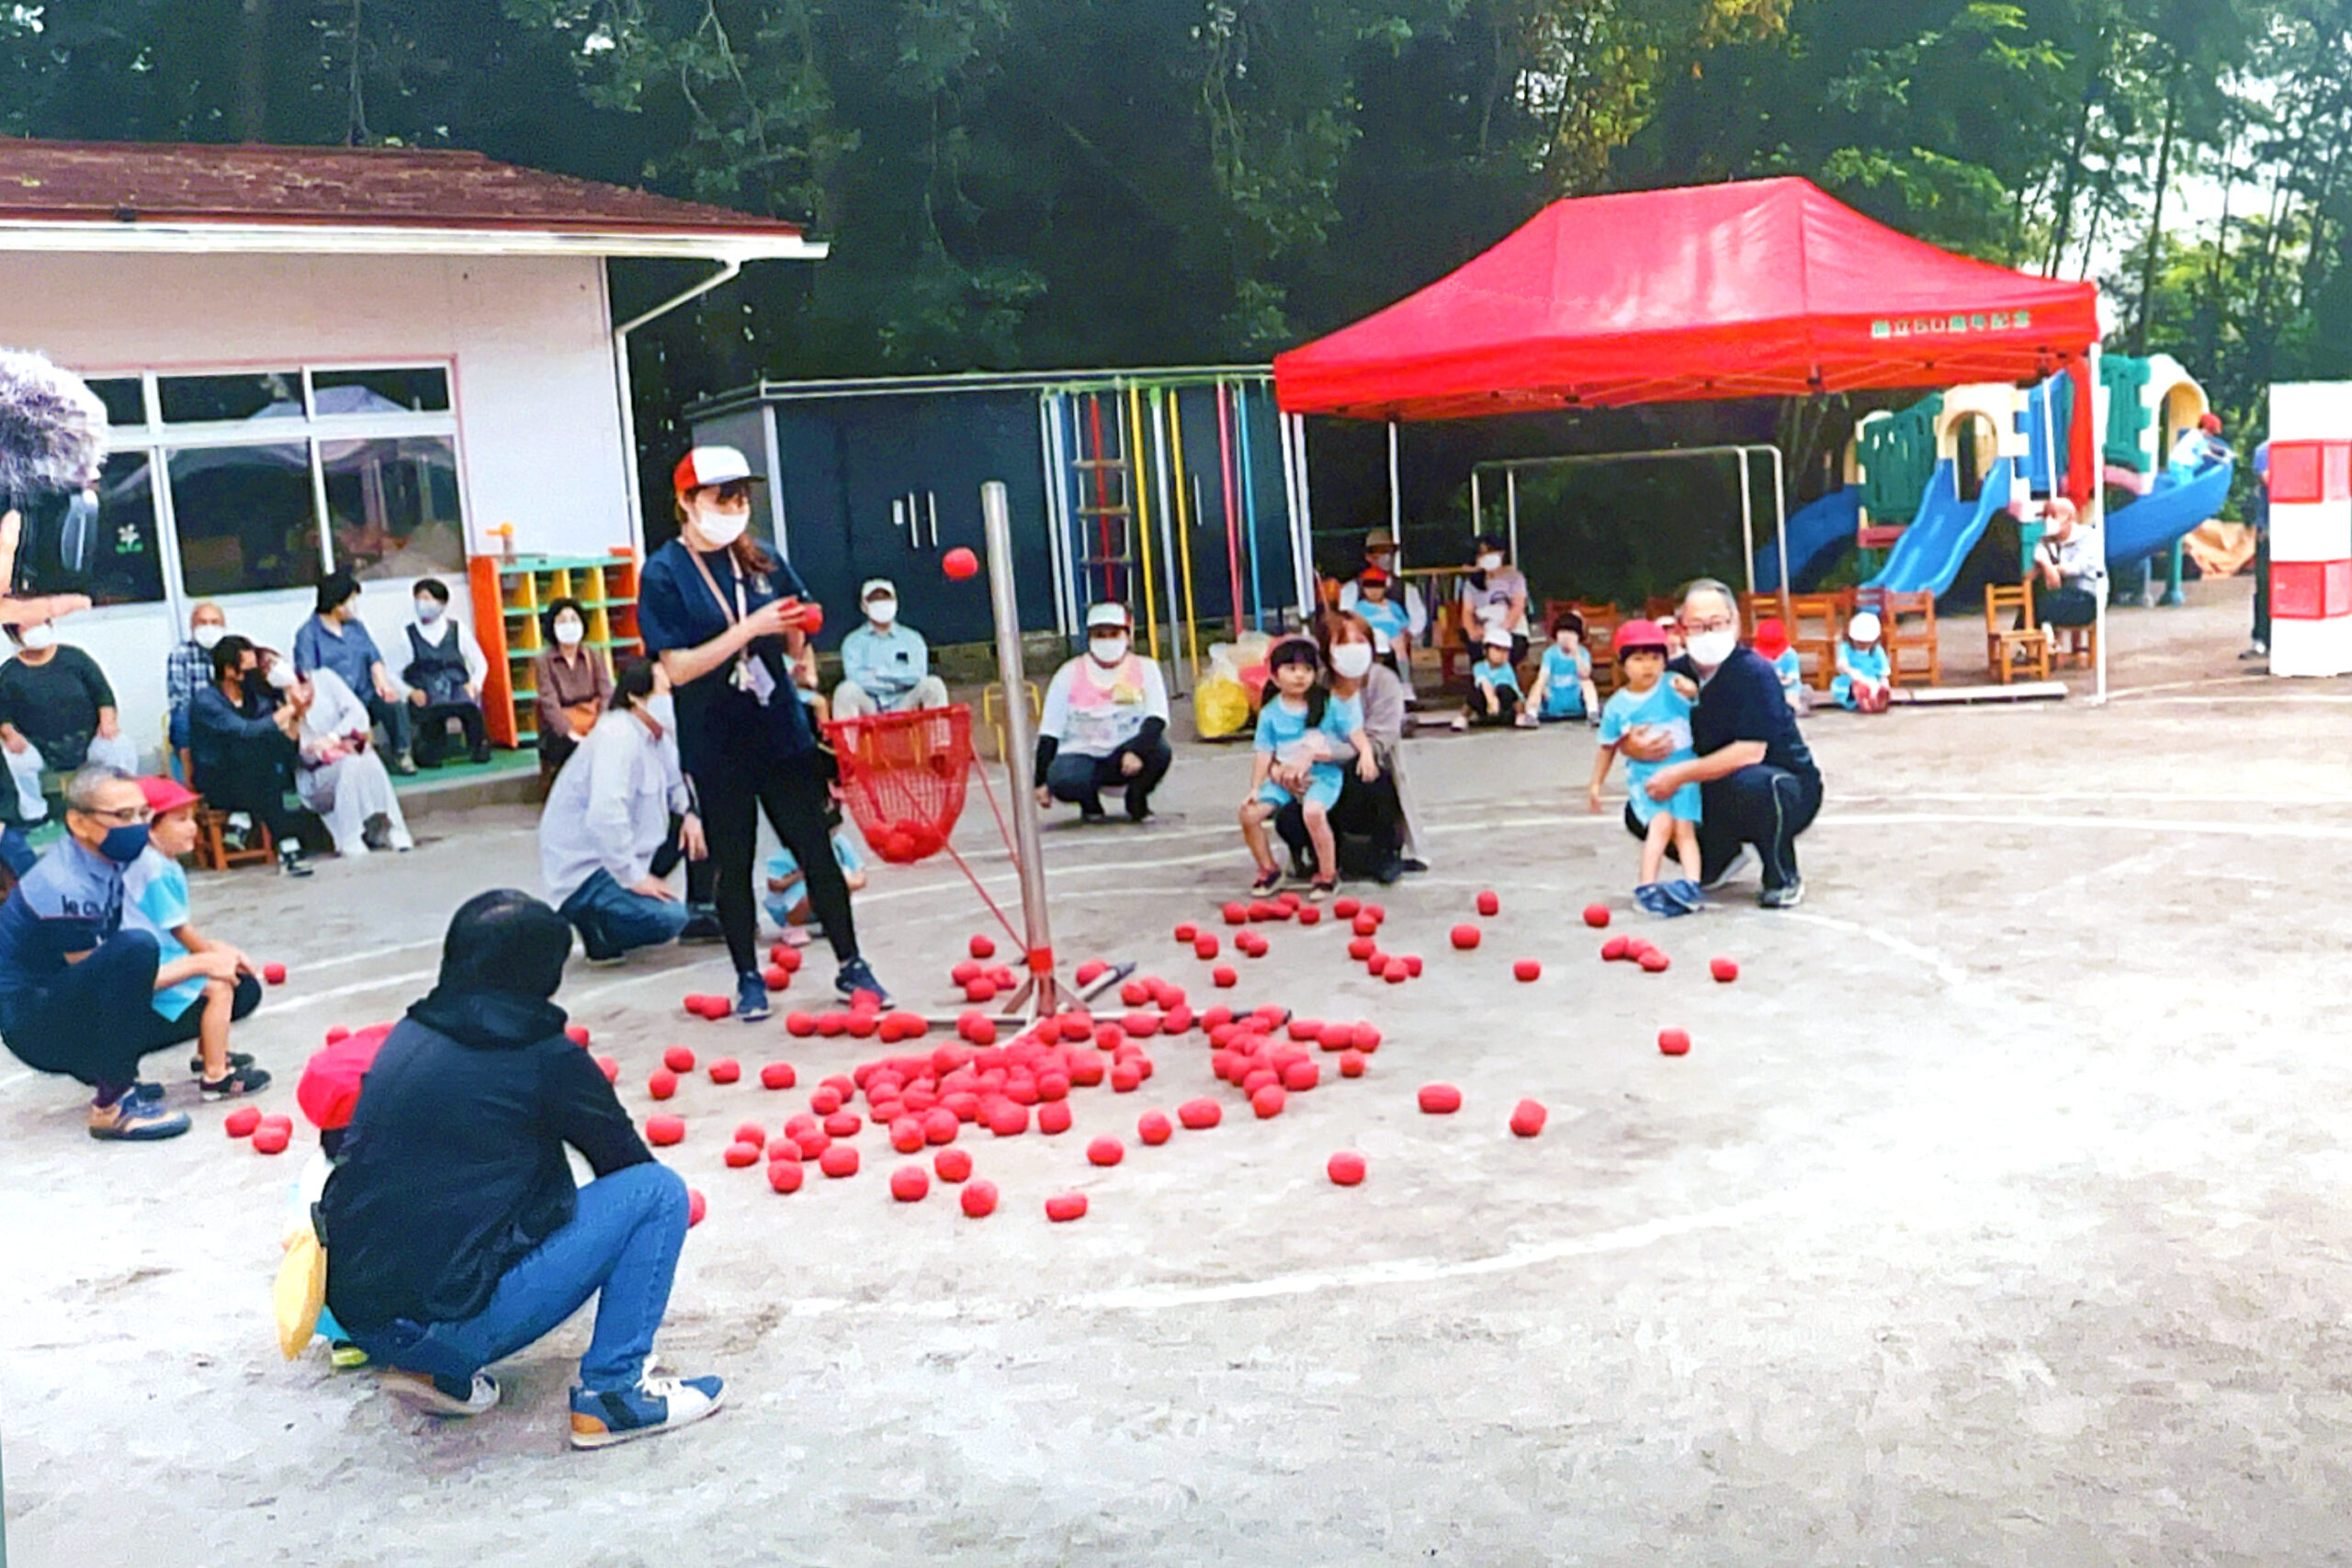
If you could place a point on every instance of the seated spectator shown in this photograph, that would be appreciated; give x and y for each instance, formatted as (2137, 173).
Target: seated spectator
(339, 773)
(57, 712)
(199, 1008)
(459, 1235)
(787, 894)
(1373, 819)
(190, 666)
(618, 805)
(77, 985)
(1105, 723)
(445, 674)
(242, 744)
(1495, 696)
(1861, 684)
(1494, 593)
(1772, 644)
(2070, 570)
(1380, 556)
(1563, 689)
(573, 683)
(337, 639)
(886, 668)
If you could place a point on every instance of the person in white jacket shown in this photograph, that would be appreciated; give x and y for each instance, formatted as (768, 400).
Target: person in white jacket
(608, 823)
(339, 773)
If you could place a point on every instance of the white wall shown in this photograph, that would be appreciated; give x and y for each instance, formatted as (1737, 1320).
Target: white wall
(539, 432)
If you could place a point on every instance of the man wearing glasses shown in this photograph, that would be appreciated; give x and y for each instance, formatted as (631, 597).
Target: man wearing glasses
(77, 986)
(1758, 784)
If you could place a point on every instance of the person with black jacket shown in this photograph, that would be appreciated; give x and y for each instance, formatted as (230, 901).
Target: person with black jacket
(454, 1233)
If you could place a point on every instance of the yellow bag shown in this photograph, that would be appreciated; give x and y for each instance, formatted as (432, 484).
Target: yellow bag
(1220, 707)
(301, 1291)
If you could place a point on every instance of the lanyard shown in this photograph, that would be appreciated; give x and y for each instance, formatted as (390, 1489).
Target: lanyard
(734, 612)
(747, 676)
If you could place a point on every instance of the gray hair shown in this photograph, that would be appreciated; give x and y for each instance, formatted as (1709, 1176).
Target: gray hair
(1710, 585)
(82, 791)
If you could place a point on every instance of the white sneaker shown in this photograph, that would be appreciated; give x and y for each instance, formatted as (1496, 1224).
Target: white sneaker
(425, 1393)
(1739, 863)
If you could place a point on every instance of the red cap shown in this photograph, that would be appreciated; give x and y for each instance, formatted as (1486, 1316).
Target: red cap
(1771, 637)
(1371, 574)
(166, 795)
(707, 466)
(2211, 423)
(1636, 635)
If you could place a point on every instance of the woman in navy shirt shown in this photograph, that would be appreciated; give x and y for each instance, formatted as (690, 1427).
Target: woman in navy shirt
(725, 618)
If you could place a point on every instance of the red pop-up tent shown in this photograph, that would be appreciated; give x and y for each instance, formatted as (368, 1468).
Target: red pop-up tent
(1759, 289)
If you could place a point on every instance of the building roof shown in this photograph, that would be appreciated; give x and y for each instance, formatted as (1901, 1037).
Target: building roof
(83, 196)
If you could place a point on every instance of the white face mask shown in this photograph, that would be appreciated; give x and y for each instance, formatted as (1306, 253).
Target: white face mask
(1709, 649)
(882, 612)
(1352, 659)
(208, 635)
(40, 636)
(1107, 650)
(428, 610)
(720, 529)
(281, 675)
(1490, 563)
(662, 709)
(569, 632)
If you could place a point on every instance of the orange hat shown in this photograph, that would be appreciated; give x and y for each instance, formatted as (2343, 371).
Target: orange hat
(1371, 575)
(166, 795)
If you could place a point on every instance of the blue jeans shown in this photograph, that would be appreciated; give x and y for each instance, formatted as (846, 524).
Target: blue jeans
(611, 919)
(621, 1247)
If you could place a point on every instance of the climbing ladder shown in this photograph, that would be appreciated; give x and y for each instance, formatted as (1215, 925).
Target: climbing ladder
(1103, 489)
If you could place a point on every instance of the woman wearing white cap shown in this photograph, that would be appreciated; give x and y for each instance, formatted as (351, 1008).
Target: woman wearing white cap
(1105, 723)
(725, 617)
(886, 668)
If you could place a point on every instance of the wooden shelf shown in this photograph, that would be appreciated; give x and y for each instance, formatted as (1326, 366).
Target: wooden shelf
(511, 593)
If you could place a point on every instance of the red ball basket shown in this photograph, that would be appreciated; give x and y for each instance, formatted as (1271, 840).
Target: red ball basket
(903, 776)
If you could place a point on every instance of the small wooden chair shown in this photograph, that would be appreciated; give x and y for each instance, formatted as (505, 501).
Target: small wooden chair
(2078, 646)
(1918, 637)
(2025, 644)
(1816, 622)
(994, 721)
(213, 851)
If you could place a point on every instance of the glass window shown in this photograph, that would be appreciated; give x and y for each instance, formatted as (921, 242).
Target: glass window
(244, 517)
(392, 503)
(424, 390)
(126, 401)
(189, 400)
(126, 566)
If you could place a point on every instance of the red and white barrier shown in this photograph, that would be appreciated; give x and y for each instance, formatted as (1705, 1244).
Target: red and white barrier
(2311, 529)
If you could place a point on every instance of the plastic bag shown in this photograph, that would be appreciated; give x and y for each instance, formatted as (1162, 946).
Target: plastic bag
(1220, 707)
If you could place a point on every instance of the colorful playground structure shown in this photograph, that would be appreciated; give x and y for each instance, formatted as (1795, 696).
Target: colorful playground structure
(1923, 483)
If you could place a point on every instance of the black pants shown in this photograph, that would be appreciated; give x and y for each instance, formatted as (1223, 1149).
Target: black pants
(1492, 706)
(1080, 780)
(96, 1019)
(2067, 606)
(254, 778)
(1367, 824)
(701, 875)
(793, 792)
(2262, 587)
(394, 717)
(1758, 805)
(554, 752)
(432, 735)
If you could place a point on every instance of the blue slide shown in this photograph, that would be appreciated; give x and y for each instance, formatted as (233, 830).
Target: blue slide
(2173, 507)
(1815, 531)
(1931, 551)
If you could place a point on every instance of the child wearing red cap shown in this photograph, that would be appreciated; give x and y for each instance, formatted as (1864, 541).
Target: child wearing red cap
(199, 1005)
(1772, 642)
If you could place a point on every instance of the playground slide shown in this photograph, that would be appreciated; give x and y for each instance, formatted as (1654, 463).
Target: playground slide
(2170, 509)
(1931, 551)
(1815, 531)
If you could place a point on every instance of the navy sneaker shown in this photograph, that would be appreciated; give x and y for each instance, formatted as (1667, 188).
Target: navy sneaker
(137, 1118)
(1688, 898)
(751, 998)
(1652, 896)
(654, 1405)
(857, 975)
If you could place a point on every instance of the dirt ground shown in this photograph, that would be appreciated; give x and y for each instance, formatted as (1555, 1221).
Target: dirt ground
(1998, 1214)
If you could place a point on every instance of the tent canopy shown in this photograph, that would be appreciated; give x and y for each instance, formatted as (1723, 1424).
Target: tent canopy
(1756, 289)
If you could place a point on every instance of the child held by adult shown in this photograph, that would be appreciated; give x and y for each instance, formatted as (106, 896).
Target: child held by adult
(1653, 699)
(1296, 706)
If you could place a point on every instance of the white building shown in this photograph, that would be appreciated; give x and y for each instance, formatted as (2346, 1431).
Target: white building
(325, 359)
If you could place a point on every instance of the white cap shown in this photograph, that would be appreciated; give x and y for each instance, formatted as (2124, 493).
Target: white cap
(1864, 627)
(1497, 638)
(1109, 614)
(877, 587)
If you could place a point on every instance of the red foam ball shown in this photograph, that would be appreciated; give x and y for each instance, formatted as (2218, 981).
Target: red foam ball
(959, 563)
(1366, 1039)
(906, 1135)
(1351, 1064)
(1527, 1118)
(910, 1184)
(1345, 909)
(1413, 965)
(785, 1175)
(981, 947)
(740, 1156)
(1488, 904)
(1395, 972)
(1007, 1120)
(1596, 915)
(1054, 1116)
(1615, 948)
(1362, 947)
(750, 1132)
(1674, 1041)
(839, 1160)
(1656, 963)
(801, 1026)
(1198, 1115)
(1723, 969)
(727, 1069)
(1237, 914)
(1093, 969)
(611, 1067)
(576, 1032)
(696, 1207)
(663, 1131)
(1526, 969)
(1223, 979)
(275, 973)
(940, 1126)
(812, 1144)
(1105, 1151)
(678, 1059)
(775, 978)
(1345, 1168)
(778, 1074)
(1300, 1077)
(1154, 1128)
(1465, 937)
(1186, 931)
(952, 1165)
(239, 1123)
(1366, 926)
(1268, 1101)
(1310, 915)
(1125, 1077)
(1440, 1098)
(1205, 947)
(1065, 1206)
(662, 1084)
(979, 1200)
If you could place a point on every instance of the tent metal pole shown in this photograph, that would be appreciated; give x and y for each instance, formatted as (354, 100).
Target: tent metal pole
(1301, 560)
(1746, 522)
(1056, 513)
(1395, 496)
(1510, 509)
(1477, 507)
(1780, 527)
(1306, 490)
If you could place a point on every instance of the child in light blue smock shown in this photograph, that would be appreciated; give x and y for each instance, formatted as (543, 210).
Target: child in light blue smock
(787, 900)
(1772, 642)
(1564, 688)
(1651, 699)
(1298, 709)
(1861, 684)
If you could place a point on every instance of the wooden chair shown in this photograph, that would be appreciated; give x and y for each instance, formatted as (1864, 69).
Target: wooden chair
(994, 721)
(1918, 638)
(1816, 622)
(2024, 643)
(2078, 646)
(213, 851)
